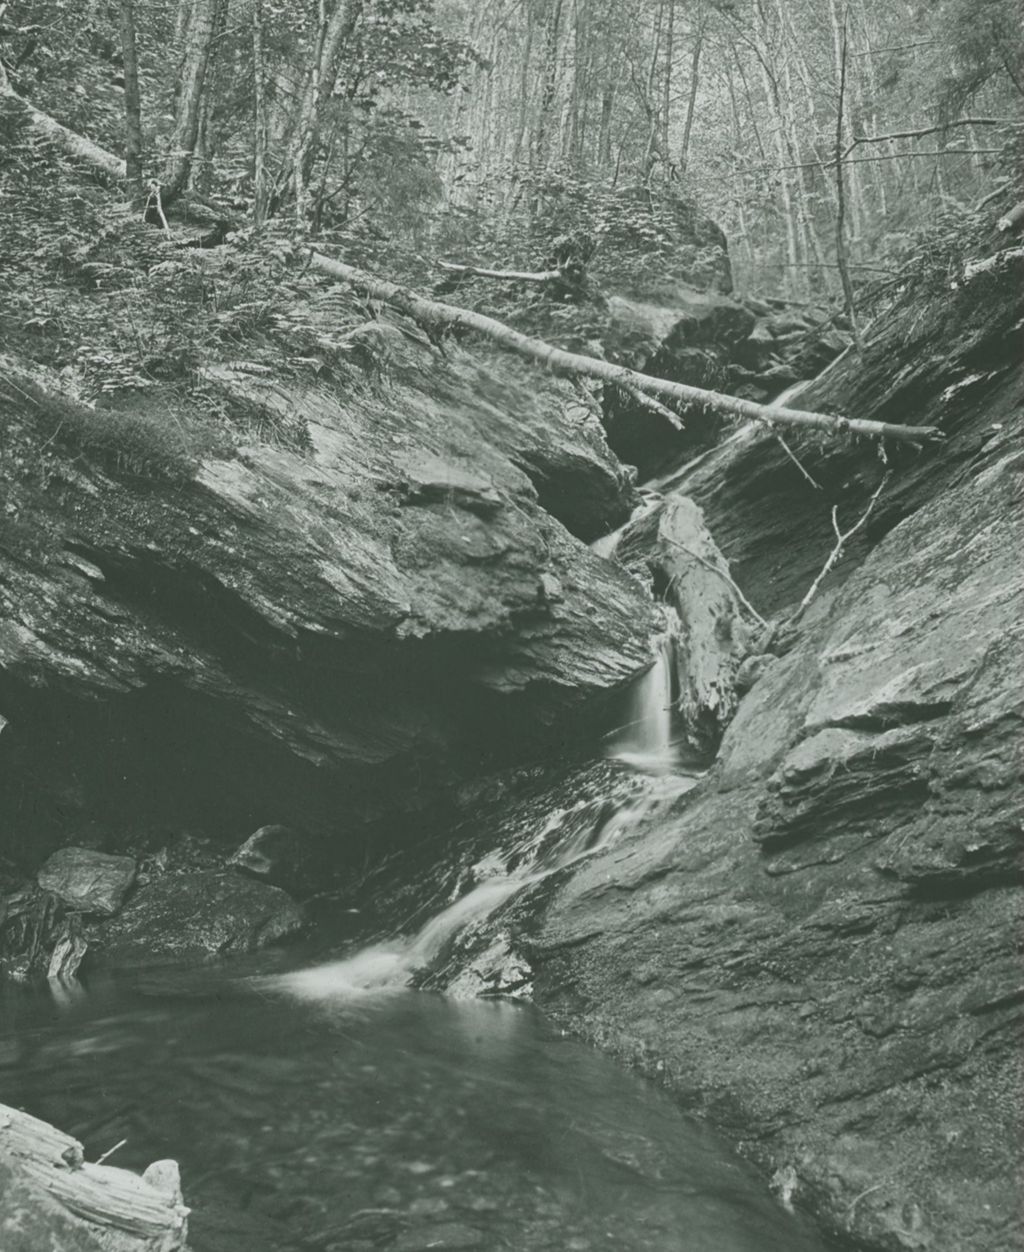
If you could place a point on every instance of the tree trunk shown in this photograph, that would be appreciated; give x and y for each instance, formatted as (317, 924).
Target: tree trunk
(182, 142)
(841, 257)
(260, 130)
(304, 133)
(691, 100)
(435, 313)
(132, 102)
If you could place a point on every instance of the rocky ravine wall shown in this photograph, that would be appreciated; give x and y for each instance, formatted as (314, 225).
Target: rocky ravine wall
(308, 632)
(819, 947)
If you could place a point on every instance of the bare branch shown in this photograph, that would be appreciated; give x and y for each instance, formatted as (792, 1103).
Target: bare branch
(841, 540)
(655, 406)
(512, 276)
(932, 130)
(800, 466)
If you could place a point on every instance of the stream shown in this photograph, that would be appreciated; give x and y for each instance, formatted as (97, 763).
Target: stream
(332, 1108)
(401, 1121)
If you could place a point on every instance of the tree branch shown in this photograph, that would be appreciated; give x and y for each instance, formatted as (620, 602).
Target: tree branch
(434, 312)
(512, 276)
(837, 551)
(931, 130)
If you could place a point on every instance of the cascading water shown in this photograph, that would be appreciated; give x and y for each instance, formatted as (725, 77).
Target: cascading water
(644, 741)
(567, 837)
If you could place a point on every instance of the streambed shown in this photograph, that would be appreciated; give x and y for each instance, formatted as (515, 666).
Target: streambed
(399, 1121)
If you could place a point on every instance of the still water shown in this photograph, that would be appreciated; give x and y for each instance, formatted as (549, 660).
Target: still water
(402, 1121)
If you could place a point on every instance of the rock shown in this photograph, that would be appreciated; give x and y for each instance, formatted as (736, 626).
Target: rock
(302, 619)
(278, 855)
(69, 951)
(835, 917)
(197, 917)
(818, 948)
(688, 336)
(88, 881)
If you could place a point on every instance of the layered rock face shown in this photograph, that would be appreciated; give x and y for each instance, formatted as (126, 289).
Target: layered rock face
(819, 947)
(316, 626)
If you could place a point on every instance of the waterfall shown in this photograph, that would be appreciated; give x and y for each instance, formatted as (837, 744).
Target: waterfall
(645, 739)
(567, 837)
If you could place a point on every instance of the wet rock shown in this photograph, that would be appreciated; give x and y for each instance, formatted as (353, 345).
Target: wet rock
(820, 952)
(69, 950)
(197, 917)
(280, 856)
(88, 881)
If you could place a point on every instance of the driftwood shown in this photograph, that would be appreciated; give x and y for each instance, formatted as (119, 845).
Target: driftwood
(436, 313)
(53, 1197)
(716, 621)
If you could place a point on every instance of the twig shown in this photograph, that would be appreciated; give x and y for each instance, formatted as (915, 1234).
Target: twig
(702, 560)
(655, 406)
(837, 551)
(110, 1151)
(857, 1198)
(793, 457)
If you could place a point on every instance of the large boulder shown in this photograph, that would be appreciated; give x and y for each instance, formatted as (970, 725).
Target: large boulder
(378, 589)
(87, 881)
(185, 918)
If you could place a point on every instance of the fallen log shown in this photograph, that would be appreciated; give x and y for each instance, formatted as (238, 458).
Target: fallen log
(53, 1197)
(511, 276)
(74, 145)
(435, 313)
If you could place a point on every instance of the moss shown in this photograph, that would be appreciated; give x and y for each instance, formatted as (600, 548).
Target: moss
(155, 444)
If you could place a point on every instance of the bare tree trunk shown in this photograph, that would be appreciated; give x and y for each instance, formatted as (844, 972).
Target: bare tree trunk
(841, 258)
(260, 130)
(182, 142)
(666, 87)
(547, 98)
(691, 101)
(132, 102)
(304, 134)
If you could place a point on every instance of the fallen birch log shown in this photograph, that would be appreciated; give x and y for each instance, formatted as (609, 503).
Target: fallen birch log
(436, 313)
(53, 1198)
(512, 276)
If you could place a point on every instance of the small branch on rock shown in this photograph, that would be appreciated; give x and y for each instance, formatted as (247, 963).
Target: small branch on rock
(841, 540)
(857, 1198)
(793, 457)
(654, 406)
(512, 276)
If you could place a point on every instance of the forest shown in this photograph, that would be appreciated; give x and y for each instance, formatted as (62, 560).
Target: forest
(510, 625)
